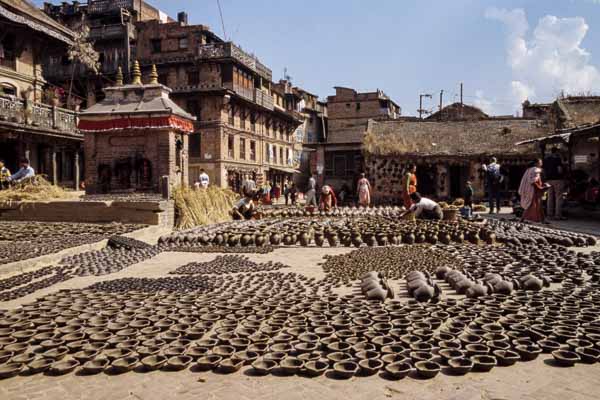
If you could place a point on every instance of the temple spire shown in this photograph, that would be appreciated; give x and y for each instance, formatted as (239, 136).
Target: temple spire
(137, 74)
(119, 76)
(153, 75)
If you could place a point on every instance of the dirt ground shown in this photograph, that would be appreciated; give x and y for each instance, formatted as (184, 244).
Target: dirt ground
(538, 379)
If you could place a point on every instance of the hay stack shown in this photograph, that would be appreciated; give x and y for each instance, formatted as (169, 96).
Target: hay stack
(195, 207)
(32, 189)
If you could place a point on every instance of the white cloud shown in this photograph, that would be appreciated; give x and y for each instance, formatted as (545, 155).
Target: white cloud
(521, 91)
(551, 60)
(486, 105)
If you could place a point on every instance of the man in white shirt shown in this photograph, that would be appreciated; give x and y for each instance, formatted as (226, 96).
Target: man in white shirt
(26, 171)
(311, 193)
(204, 179)
(248, 186)
(424, 208)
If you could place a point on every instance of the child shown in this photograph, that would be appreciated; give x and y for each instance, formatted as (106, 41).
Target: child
(467, 209)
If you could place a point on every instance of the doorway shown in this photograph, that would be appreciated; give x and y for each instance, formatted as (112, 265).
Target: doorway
(9, 153)
(459, 175)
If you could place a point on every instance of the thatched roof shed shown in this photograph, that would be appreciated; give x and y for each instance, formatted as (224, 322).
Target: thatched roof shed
(452, 138)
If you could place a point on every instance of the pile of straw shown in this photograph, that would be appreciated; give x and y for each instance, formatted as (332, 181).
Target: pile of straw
(32, 189)
(195, 207)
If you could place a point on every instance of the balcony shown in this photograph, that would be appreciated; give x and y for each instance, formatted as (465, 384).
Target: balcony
(38, 115)
(230, 50)
(103, 6)
(263, 99)
(116, 31)
(247, 93)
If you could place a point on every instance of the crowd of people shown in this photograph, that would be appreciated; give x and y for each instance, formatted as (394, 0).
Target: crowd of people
(541, 192)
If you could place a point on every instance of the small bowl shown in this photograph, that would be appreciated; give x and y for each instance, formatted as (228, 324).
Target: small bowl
(398, 370)
(208, 362)
(345, 369)
(528, 353)
(56, 354)
(291, 365)
(229, 365)
(96, 366)
(506, 358)
(565, 358)
(5, 355)
(315, 368)
(9, 370)
(427, 369)
(85, 355)
(39, 365)
(124, 364)
(483, 363)
(154, 362)
(548, 346)
(63, 367)
(178, 363)
(23, 358)
(115, 354)
(588, 355)
(263, 366)
(460, 365)
(370, 366)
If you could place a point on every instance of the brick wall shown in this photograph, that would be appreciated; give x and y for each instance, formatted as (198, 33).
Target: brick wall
(159, 147)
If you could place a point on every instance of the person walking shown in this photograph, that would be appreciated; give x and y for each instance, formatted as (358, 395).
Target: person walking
(311, 193)
(469, 192)
(4, 175)
(286, 191)
(493, 181)
(364, 191)
(409, 184)
(531, 191)
(554, 176)
(204, 179)
(293, 193)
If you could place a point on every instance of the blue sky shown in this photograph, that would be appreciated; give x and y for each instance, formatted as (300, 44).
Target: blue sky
(503, 51)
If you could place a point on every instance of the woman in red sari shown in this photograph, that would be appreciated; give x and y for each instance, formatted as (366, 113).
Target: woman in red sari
(531, 191)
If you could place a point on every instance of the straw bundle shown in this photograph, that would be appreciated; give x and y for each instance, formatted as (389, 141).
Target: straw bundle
(195, 207)
(32, 189)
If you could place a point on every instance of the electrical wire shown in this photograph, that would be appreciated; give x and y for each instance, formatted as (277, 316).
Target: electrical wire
(222, 20)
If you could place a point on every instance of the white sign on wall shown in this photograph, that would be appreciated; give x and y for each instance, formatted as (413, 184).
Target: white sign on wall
(581, 159)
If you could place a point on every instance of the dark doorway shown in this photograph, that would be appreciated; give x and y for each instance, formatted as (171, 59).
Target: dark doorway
(9, 153)
(426, 175)
(459, 175)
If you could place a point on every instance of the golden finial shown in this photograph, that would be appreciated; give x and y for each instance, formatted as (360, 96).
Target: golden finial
(153, 75)
(119, 76)
(137, 74)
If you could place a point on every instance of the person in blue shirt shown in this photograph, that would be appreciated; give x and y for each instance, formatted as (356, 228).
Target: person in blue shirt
(26, 171)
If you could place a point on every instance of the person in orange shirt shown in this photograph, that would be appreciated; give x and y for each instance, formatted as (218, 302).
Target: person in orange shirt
(409, 184)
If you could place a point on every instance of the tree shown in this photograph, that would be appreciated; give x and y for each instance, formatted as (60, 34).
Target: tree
(82, 52)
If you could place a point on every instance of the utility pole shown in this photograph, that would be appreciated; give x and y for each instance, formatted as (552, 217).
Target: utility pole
(441, 102)
(462, 106)
(420, 110)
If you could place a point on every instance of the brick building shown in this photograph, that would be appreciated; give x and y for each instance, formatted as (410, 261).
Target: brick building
(245, 125)
(32, 123)
(573, 123)
(338, 160)
(312, 129)
(112, 29)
